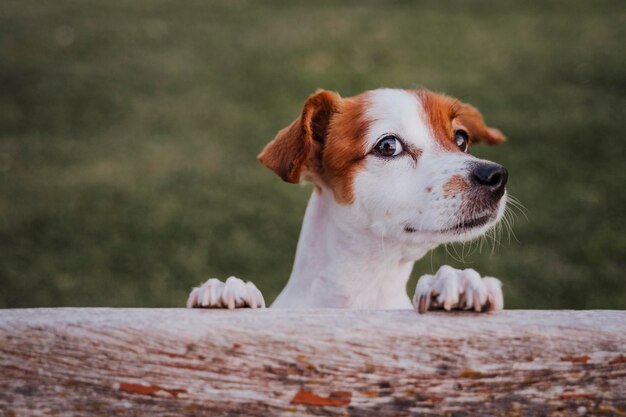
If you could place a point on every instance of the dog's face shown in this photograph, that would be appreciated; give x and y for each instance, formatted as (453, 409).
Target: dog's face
(397, 162)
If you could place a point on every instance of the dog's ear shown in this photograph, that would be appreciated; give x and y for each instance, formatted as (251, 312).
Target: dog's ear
(299, 145)
(470, 119)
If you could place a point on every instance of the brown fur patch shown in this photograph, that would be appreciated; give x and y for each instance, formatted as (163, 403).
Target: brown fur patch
(446, 114)
(324, 145)
(468, 118)
(456, 184)
(440, 111)
(298, 145)
(344, 151)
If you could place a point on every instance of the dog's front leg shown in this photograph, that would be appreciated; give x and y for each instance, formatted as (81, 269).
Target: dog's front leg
(458, 289)
(234, 293)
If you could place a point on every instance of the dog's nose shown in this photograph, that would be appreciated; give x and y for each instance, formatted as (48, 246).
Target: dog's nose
(490, 175)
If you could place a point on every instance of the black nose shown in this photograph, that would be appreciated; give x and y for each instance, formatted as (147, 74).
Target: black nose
(491, 176)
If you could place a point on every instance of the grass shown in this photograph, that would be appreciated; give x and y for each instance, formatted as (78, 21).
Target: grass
(129, 130)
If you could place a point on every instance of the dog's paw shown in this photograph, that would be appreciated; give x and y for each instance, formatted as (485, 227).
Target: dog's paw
(458, 289)
(234, 293)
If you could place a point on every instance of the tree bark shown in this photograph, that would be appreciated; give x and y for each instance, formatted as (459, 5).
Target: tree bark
(178, 362)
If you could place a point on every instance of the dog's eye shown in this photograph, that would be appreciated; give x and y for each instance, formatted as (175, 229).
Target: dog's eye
(388, 146)
(461, 138)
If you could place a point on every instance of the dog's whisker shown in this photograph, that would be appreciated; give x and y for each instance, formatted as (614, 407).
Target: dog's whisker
(462, 255)
(516, 201)
(496, 242)
(454, 255)
(515, 204)
(504, 226)
(509, 221)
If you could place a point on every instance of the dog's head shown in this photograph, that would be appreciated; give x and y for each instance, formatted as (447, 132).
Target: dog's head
(398, 161)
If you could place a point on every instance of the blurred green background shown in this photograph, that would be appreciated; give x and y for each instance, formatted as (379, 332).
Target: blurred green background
(129, 132)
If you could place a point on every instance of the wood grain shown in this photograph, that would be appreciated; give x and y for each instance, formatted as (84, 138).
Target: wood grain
(178, 362)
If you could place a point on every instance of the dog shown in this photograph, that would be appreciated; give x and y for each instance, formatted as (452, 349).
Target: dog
(393, 179)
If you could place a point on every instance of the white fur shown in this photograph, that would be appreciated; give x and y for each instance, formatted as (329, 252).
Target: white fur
(360, 255)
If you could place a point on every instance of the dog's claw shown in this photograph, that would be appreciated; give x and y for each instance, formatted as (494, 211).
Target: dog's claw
(457, 289)
(477, 306)
(423, 303)
(230, 302)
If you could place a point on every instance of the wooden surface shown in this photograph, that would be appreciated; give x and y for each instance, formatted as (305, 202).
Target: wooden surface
(177, 362)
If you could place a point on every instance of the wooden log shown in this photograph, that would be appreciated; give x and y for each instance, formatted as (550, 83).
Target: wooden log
(177, 362)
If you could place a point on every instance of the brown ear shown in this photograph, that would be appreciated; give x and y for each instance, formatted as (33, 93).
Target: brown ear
(299, 145)
(469, 118)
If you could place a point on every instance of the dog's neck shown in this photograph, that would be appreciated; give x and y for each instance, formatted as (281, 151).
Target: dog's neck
(341, 265)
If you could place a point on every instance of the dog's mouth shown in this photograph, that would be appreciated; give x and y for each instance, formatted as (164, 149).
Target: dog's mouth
(463, 225)
(466, 224)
